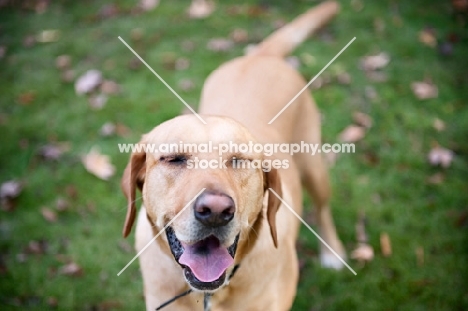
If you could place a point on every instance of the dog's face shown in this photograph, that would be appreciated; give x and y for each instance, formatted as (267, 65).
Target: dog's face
(214, 228)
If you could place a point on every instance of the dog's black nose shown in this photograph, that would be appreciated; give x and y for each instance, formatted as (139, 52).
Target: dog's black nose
(214, 209)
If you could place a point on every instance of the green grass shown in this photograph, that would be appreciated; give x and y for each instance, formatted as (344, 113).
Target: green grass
(386, 177)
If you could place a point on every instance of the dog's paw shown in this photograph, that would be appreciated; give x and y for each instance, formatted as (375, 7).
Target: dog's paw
(329, 260)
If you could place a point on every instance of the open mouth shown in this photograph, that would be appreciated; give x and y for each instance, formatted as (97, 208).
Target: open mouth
(204, 262)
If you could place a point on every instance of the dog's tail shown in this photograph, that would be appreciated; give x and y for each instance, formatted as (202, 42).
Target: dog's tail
(286, 39)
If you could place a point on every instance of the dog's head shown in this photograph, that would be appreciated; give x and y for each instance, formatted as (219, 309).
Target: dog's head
(218, 226)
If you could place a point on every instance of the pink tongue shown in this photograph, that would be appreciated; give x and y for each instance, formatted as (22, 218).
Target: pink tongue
(207, 259)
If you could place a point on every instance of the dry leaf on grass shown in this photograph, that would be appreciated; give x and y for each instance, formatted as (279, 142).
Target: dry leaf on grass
(385, 244)
(220, 45)
(10, 189)
(88, 81)
(54, 151)
(186, 84)
(148, 5)
(436, 179)
(63, 62)
(37, 247)
(376, 76)
(364, 252)
(427, 36)
(8, 192)
(440, 156)
(239, 35)
(98, 164)
(49, 214)
(424, 90)
(110, 87)
(375, 62)
(49, 35)
(439, 125)
(182, 63)
(201, 8)
(352, 133)
(97, 102)
(107, 129)
(68, 76)
(61, 204)
(71, 269)
(362, 119)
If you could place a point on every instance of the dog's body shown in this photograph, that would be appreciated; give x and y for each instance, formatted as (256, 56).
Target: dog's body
(250, 90)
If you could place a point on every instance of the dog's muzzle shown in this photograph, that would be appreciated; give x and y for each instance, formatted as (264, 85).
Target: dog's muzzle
(204, 262)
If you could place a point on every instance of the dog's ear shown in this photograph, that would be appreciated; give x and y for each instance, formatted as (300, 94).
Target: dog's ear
(272, 180)
(134, 176)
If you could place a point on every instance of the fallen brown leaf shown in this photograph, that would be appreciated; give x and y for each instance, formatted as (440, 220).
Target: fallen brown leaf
(362, 119)
(27, 98)
(436, 179)
(37, 247)
(52, 302)
(49, 35)
(61, 204)
(371, 93)
(125, 246)
(107, 129)
(88, 81)
(182, 63)
(385, 244)
(97, 102)
(201, 8)
(375, 62)
(68, 76)
(424, 90)
(343, 78)
(440, 156)
(110, 87)
(239, 35)
(98, 164)
(29, 41)
(10, 189)
(54, 151)
(186, 84)
(364, 252)
(352, 133)
(71, 269)
(439, 125)
(220, 45)
(122, 130)
(148, 5)
(71, 191)
(377, 76)
(49, 214)
(63, 62)
(427, 36)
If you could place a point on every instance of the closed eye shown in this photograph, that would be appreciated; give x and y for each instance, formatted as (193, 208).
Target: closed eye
(174, 159)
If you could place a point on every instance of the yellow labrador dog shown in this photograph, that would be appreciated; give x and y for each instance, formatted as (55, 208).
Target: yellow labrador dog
(229, 242)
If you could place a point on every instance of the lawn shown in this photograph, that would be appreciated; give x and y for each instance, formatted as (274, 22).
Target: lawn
(60, 241)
